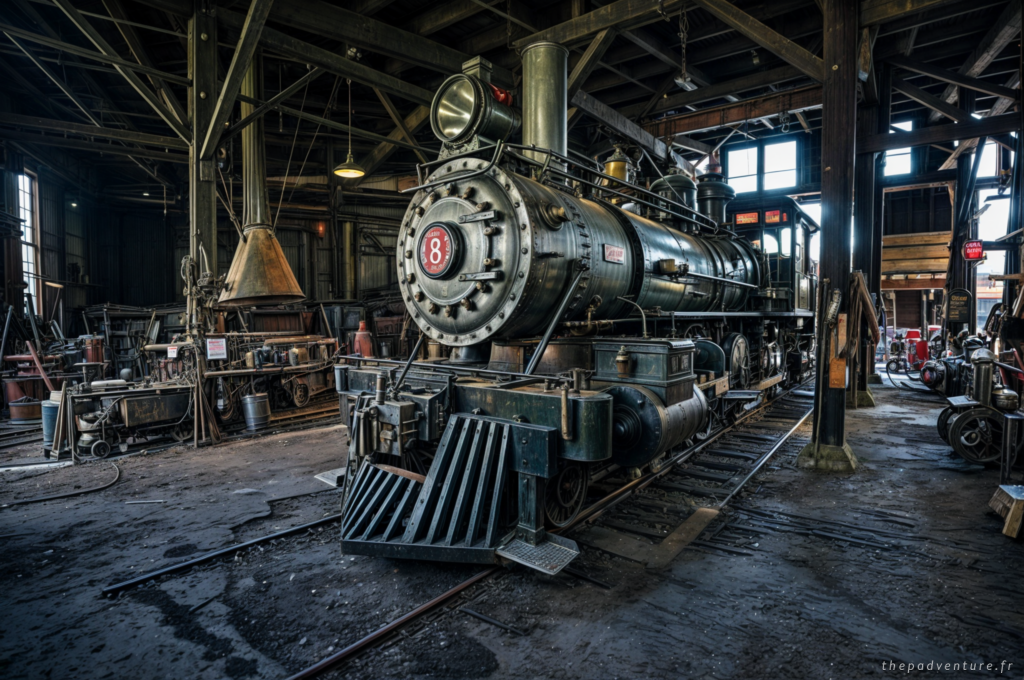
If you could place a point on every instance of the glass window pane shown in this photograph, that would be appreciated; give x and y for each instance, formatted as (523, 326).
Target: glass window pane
(897, 165)
(743, 162)
(779, 180)
(743, 184)
(787, 241)
(989, 161)
(780, 157)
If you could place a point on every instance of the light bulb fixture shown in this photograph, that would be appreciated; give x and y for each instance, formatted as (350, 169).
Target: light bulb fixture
(349, 169)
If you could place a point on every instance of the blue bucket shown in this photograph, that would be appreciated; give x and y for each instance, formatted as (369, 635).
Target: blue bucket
(50, 409)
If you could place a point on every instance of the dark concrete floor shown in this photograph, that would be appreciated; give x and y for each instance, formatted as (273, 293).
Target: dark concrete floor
(900, 561)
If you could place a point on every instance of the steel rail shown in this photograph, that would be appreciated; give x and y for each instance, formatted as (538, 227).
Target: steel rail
(616, 496)
(110, 590)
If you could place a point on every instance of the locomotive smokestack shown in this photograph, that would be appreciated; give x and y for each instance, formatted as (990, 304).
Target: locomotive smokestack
(259, 272)
(545, 90)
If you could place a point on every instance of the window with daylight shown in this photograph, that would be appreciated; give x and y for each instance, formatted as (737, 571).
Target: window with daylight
(30, 234)
(897, 161)
(742, 169)
(779, 165)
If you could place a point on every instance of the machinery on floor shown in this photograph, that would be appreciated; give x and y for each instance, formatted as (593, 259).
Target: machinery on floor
(594, 326)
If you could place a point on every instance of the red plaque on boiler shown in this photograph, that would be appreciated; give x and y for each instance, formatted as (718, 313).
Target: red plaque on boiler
(437, 250)
(616, 254)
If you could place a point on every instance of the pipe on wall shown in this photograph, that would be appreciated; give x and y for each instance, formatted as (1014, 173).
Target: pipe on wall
(349, 249)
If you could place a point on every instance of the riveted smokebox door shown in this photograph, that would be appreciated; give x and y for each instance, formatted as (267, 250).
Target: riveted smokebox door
(535, 450)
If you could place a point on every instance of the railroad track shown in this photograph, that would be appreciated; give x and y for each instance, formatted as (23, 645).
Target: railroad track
(713, 471)
(12, 437)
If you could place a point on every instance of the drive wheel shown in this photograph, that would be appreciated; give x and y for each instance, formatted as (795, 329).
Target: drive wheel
(977, 435)
(566, 493)
(943, 423)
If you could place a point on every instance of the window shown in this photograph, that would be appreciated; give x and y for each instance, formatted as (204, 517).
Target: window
(897, 161)
(990, 160)
(743, 169)
(991, 225)
(30, 235)
(780, 165)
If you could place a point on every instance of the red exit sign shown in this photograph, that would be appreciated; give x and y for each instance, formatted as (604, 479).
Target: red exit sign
(974, 250)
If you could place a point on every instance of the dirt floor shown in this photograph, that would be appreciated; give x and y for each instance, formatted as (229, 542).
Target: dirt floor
(832, 576)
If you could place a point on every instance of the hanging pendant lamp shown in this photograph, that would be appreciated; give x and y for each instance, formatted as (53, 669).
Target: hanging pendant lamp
(349, 169)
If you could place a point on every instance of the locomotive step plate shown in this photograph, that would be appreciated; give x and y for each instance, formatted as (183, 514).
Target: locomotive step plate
(961, 402)
(549, 556)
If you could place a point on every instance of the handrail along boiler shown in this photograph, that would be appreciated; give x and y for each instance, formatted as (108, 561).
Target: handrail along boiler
(595, 327)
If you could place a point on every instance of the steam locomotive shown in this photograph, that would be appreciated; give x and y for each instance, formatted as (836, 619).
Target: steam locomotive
(595, 327)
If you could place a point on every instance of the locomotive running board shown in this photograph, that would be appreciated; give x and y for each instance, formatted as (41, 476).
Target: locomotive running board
(451, 515)
(550, 556)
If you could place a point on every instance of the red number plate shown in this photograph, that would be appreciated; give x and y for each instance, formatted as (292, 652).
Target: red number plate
(616, 254)
(436, 250)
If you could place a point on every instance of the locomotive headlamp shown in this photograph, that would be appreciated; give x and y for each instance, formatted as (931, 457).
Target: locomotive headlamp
(465, 107)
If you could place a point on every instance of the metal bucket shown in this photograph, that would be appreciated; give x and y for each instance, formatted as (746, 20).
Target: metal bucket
(256, 408)
(50, 409)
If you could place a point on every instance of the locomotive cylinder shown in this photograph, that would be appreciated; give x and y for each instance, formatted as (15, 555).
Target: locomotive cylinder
(643, 427)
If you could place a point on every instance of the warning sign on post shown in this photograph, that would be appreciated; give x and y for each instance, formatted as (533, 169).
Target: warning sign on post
(216, 348)
(958, 306)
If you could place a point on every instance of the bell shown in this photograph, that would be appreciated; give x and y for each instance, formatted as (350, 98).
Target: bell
(259, 273)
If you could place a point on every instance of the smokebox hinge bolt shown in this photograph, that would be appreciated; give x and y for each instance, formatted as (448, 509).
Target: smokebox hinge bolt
(408, 254)
(449, 189)
(410, 278)
(432, 197)
(420, 211)
(432, 308)
(419, 296)
(467, 304)
(467, 193)
(491, 231)
(449, 310)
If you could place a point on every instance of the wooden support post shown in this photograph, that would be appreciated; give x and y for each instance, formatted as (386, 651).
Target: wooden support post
(202, 196)
(828, 449)
(864, 243)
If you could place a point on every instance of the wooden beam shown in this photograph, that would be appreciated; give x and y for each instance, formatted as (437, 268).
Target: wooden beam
(929, 283)
(588, 62)
(621, 125)
(934, 265)
(259, 10)
(803, 121)
(95, 147)
(332, 61)
(883, 11)
(442, 16)
(914, 252)
(986, 127)
(953, 78)
(37, 123)
(725, 89)
(413, 122)
(931, 101)
(396, 118)
(368, 7)
(692, 144)
(1005, 29)
(801, 99)
(278, 98)
(340, 24)
(774, 42)
(1001, 106)
(140, 87)
(928, 237)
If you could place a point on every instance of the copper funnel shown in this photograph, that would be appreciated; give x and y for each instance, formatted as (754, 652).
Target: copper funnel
(259, 273)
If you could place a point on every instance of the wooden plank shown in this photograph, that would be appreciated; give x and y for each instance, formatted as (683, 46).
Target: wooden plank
(953, 78)
(924, 238)
(442, 16)
(986, 127)
(801, 99)
(1000, 107)
(914, 284)
(1005, 29)
(661, 556)
(891, 253)
(936, 265)
(771, 40)
(588, 62)
(396, 118)
(931, 101)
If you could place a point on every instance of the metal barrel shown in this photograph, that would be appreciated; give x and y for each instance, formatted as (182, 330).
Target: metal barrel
(50, 410)
(256, 408)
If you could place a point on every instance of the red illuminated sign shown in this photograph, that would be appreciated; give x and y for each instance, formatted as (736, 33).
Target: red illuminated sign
(974, 250)
(748, 218)
(772, 216)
